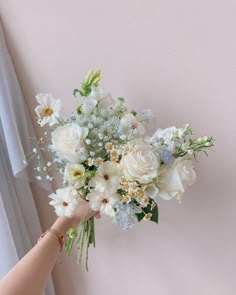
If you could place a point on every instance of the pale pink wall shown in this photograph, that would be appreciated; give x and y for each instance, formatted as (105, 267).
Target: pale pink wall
(179, 58)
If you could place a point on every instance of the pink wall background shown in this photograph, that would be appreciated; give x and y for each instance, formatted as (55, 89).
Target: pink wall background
(179, 58)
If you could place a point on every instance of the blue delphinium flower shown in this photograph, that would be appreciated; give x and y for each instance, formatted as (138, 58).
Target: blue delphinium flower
(124, 216)
(167, 157)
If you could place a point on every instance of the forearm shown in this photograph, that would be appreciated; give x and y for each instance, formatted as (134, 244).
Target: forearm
(30, 275)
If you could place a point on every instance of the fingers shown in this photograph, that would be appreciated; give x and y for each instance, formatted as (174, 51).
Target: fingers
(97, 215)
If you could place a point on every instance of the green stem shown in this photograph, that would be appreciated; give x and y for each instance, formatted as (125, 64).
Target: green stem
(88, 241)
(81, 243)
(85, 238)
(93, 233)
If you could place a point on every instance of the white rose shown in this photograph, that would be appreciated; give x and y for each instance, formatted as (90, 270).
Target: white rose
(151, 190)
(68, 141)
(174, 180)
(140, 164)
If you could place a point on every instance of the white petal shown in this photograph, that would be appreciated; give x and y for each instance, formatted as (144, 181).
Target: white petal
(165, 196)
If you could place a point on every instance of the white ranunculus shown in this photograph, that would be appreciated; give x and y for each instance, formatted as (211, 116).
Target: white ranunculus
(173, 181)
(68, 141)
(151, 190)
(140, 164)
(75, 174)
(65, 201)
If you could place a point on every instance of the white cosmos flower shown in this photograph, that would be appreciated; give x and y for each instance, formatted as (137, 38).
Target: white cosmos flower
(68, 141)
(103, 201)
(107, 176)
(48, 109)
(75, 174)
(65, 201)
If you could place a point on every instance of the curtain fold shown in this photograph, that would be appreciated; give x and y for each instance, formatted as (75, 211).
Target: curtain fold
(19, 222)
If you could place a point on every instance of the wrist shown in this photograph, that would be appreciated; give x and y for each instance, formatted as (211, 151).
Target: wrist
(62, 225)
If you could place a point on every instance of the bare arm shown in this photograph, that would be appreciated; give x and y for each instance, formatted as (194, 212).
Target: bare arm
(30, 274)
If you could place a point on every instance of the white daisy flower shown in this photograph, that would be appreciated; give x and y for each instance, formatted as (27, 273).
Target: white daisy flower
(65, 201)
(103, 201)
(48, 109)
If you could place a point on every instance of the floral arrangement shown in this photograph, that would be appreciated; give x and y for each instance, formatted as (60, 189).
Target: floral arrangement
(106, 158)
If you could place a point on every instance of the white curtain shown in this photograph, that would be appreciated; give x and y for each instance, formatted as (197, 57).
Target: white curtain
(19, 223)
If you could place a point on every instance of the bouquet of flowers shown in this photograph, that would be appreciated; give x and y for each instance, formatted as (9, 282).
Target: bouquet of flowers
(106, 158)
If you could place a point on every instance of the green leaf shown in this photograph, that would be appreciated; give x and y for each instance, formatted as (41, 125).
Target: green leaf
(140, 216)
(133, 113)
(79, 111)
(147, 210)
(75, 92)
(121, 192)
(155, 214)
(121, 99)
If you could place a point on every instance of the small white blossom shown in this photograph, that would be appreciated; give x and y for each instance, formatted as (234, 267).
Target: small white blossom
(88, 141)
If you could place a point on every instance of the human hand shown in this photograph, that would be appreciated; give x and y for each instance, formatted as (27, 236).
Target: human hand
(83, 213)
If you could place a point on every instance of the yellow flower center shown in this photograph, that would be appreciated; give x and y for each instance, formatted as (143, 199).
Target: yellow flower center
(148, 216)
(77, 174)
(126, 186)
(125, 199)
(47, 112)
